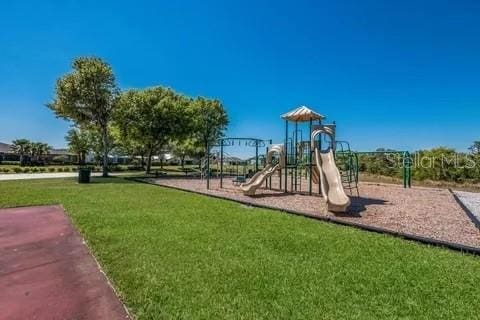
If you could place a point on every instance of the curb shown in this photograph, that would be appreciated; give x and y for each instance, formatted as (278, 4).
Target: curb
(334, 220)
(468, 212)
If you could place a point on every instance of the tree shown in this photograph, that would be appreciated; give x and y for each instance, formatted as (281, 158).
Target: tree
(97, 142)
(87, 96)
(127, 146)
(475, 148)
(38, 150)
(79, 143)
(44, 149)
(22, 148)
(153, 117)
(210, 121)
(187, 147)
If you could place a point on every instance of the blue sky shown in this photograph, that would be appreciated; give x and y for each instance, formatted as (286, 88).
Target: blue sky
(398, 74)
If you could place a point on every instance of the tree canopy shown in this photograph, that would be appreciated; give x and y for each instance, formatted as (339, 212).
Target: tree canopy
(87, 97)
(152, 118)
(187, 148)
(79, 142)
(210, 121)
(139, 121)
(475, 147)
(34, 150)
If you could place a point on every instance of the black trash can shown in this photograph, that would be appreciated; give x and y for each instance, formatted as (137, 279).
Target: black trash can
(84, 175)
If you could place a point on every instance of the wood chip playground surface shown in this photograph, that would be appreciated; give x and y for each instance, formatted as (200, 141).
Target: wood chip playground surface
(419, 211)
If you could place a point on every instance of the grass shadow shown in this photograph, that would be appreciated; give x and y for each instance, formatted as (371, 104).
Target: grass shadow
(112, 180)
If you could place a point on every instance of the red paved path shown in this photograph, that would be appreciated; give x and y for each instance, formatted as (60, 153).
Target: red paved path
(46, 272)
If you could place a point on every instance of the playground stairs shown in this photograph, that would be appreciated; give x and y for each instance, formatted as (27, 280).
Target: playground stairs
(347, 162)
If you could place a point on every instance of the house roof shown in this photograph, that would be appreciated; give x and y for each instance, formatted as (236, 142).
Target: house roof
(302, 113)
(5, 148)
(60, 152)
(232, 159)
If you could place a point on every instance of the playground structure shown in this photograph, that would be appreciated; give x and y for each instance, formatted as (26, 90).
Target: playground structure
(221, 159)
(311, 157)
(326, 173)
(310, 153)
(270, 168)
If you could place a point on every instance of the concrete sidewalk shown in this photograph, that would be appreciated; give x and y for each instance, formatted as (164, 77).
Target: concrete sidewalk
(46, 271)
(49, 175)
(46, 175)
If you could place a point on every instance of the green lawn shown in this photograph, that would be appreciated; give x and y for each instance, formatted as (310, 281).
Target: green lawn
(172, 254)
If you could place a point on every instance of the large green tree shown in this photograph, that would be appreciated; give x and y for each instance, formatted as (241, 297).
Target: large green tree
(153, 117)
(87, 97)
(210, 121)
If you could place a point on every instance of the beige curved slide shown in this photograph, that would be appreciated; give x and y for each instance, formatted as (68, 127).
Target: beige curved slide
(249, 188)
(331, 181)
(257, 180)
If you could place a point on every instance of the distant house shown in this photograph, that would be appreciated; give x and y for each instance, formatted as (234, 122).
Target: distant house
(54, 155)
(112, 158)
(261, 160)
(4, 148)
(6, 153)
(172, 159)
(61, 155)
(233, 161)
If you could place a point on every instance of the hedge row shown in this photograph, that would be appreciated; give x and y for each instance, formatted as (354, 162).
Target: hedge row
(116, 168)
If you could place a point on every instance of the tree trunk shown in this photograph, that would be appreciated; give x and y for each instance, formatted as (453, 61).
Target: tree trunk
(182, 161)
(105, 152)
(149, 160)
(81, 158)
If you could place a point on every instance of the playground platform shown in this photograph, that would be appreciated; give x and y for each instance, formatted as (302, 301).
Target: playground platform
(47, 272)
(423, 212)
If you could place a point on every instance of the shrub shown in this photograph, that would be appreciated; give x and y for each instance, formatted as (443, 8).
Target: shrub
(116, 168)
(42, 169)
(35, 169)
(17, 169)
(62, 159)
(26, 170)
(135, 168)
(11, 163)
(5, 170)
(51, 169)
